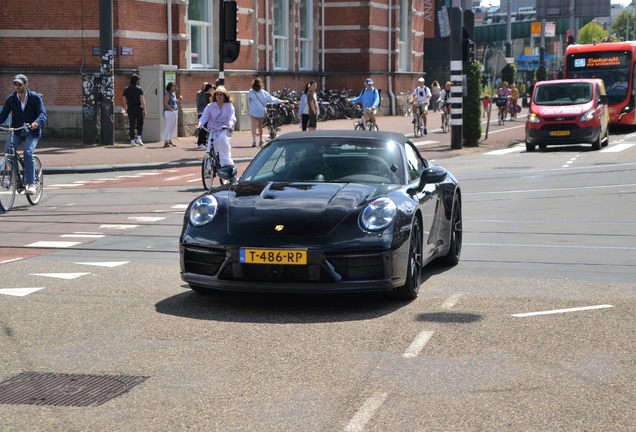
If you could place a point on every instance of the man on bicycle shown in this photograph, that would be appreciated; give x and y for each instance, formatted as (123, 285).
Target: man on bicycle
(421, 95)
(370, 98)
(26, 107)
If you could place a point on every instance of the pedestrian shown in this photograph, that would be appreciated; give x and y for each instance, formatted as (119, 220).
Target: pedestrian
(171, 113)
(304, 108)
(219, 118)
(312, 106)
(435, 92)
(258, 99)
(25, 106)
(203, 99)
(135, 108)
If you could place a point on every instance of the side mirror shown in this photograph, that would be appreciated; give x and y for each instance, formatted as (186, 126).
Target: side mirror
(434, 174)
(228, 173)
(604, 99)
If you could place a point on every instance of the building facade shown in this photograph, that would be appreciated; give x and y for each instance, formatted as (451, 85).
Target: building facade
(285, 42)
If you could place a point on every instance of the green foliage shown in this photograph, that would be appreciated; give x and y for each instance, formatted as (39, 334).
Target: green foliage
(541, 74)
(592, 32)
(472, 102)
(508, 73)
(620, 26)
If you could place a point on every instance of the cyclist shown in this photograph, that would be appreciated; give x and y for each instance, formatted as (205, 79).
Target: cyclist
(514, 97)
(421, 94)
(446, 97)
(370, 98)
(219, 114)
(504, 92)
(26, 107)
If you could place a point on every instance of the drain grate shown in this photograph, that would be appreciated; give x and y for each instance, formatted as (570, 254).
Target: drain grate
(64, 389)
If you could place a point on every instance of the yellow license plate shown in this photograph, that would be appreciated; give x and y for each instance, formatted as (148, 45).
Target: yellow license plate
(273, 256)
(560, 133)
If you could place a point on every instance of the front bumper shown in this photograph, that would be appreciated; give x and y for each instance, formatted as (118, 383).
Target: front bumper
(577, 135)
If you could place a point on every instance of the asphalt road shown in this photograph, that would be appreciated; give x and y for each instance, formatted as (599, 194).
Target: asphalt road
(533, 330)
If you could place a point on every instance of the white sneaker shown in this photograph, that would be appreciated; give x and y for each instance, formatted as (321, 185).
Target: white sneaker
(201, 147)
(133, 143)
(139, 141)
(30, 189)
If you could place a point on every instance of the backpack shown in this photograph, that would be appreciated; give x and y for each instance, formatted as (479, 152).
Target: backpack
(379, 95)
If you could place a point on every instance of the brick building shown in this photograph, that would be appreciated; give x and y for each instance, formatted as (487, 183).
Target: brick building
(285, 42)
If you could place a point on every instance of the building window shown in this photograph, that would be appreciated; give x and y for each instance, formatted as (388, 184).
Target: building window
(202, 47)
(403, 39)
(305, 35)
(281, 34)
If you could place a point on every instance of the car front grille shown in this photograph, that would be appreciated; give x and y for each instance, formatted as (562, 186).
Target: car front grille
(275, 273)
(373, 265)
(202, 261)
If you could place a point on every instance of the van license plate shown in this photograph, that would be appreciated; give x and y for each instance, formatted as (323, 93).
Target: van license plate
(560, 133)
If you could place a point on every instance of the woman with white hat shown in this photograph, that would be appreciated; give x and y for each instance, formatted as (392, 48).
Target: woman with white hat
(216, 116)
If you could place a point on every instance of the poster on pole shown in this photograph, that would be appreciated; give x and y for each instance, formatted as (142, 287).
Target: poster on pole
(550, 29)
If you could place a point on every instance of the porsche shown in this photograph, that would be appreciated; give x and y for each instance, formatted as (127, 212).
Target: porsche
(322, 212)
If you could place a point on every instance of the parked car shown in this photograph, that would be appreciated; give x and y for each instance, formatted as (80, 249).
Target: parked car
(570, 111)
(325, 211)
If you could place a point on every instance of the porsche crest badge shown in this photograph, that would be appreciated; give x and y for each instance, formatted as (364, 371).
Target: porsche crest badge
(279, 227)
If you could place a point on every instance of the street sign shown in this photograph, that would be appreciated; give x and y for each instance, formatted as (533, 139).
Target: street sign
(550, 29)
(535, 29)
(497, 62)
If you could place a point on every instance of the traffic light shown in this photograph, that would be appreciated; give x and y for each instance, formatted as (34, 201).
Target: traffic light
(468, 47)
(231, 47)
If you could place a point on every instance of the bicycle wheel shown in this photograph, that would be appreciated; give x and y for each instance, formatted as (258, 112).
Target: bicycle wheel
(8, 184)
(207, 176)
(38, 183)
(272, 130)
(417, 126)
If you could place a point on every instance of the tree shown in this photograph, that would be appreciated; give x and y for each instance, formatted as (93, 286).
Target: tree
(508, 73)
(624, 25)
(591, 32)
(471, 115)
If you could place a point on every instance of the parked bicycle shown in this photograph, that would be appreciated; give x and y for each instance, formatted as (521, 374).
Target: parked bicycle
(445, 116)
(418, 119)
(12, 174)
(211, 167)
(271, 121)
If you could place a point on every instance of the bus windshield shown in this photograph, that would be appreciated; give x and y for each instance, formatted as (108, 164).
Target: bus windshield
(613, 67)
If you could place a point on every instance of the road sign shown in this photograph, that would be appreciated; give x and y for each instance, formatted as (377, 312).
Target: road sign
(535, 29)
(550, 29)
(497, 62)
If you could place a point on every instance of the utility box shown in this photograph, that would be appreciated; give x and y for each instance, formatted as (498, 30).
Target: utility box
(241, 110)
(153, 80)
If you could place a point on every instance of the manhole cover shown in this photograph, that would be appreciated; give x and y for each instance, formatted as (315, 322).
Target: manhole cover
(64, 389)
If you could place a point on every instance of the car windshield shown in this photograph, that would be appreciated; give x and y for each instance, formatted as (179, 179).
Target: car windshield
(563, 94)
(320, 159)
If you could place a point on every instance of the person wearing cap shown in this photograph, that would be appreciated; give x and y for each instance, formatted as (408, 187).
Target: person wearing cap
(421, 95)
(217, 116)
(135, 107)
(370, 98)
(258, 99)
(171, 113)
(26, 107)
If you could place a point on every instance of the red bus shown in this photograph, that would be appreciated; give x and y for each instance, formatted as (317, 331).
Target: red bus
(613, 62)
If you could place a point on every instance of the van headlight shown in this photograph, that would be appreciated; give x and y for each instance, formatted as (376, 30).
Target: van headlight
(378, 214)
(533, 118)
(587, 116)
(203, 210)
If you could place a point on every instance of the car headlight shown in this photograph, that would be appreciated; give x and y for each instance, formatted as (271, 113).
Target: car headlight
(533, 118)
(378, 214)
(587, 116)
(203, 210)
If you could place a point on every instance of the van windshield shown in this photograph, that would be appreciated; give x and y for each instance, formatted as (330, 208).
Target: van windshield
(563, 94)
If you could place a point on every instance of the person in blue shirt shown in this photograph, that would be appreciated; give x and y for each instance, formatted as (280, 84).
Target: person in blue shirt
(370, 99)
(26, 107)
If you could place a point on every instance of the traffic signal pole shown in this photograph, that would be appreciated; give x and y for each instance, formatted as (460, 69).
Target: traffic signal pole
(457, 28)
(221, 42)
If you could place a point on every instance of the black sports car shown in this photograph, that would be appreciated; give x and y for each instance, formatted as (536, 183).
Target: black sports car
(325, 212)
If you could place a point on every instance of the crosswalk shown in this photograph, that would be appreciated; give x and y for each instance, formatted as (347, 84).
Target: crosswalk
(612, 148)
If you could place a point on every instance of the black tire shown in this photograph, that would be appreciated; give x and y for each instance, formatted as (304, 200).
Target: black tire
(357, 126)
(606, 140)
(596, 145)
(411, 286)
(272, 132)
(207, 174)
(8, 185)
(530, 147)
(39, 183)
(455, 248)
(417, 129)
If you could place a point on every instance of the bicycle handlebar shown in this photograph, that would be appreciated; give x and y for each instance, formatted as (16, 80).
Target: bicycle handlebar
(10, 129)
(222, 128)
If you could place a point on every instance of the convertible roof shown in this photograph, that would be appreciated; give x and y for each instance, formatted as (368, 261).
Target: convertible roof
(372, 135)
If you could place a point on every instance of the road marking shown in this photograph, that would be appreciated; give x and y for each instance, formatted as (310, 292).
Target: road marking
(178, 177)
(556, 311)
(83, 235)
(128, 176)
(119, 227)
(451, 301)
(552, 246)
(104, 264)
(553, 189)
(505, 129)
(505, 151)
(10, 260)
(67, 276)
(149, 173)
(365, 413)
(180, 206)
(568, 163)
(145, 218)
(63, 185)
(53, 244)
(19, 292)
(418, 344)
(616, 148)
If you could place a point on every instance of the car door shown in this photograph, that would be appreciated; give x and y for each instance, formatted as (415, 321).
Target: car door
(427, 199)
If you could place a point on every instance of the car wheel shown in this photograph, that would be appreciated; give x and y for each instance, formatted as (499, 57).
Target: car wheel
(409, 290)
(530, 147)
(596, 145)
(606, 140)
(455, 248)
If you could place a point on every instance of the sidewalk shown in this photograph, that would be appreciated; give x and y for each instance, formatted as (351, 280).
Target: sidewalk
(64, 156)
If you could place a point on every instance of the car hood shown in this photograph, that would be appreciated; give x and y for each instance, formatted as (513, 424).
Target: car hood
(293, 209)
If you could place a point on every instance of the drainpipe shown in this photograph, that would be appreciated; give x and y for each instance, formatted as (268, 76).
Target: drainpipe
(389, 76)
(322, 41)
(267, 77)
(169, 13)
